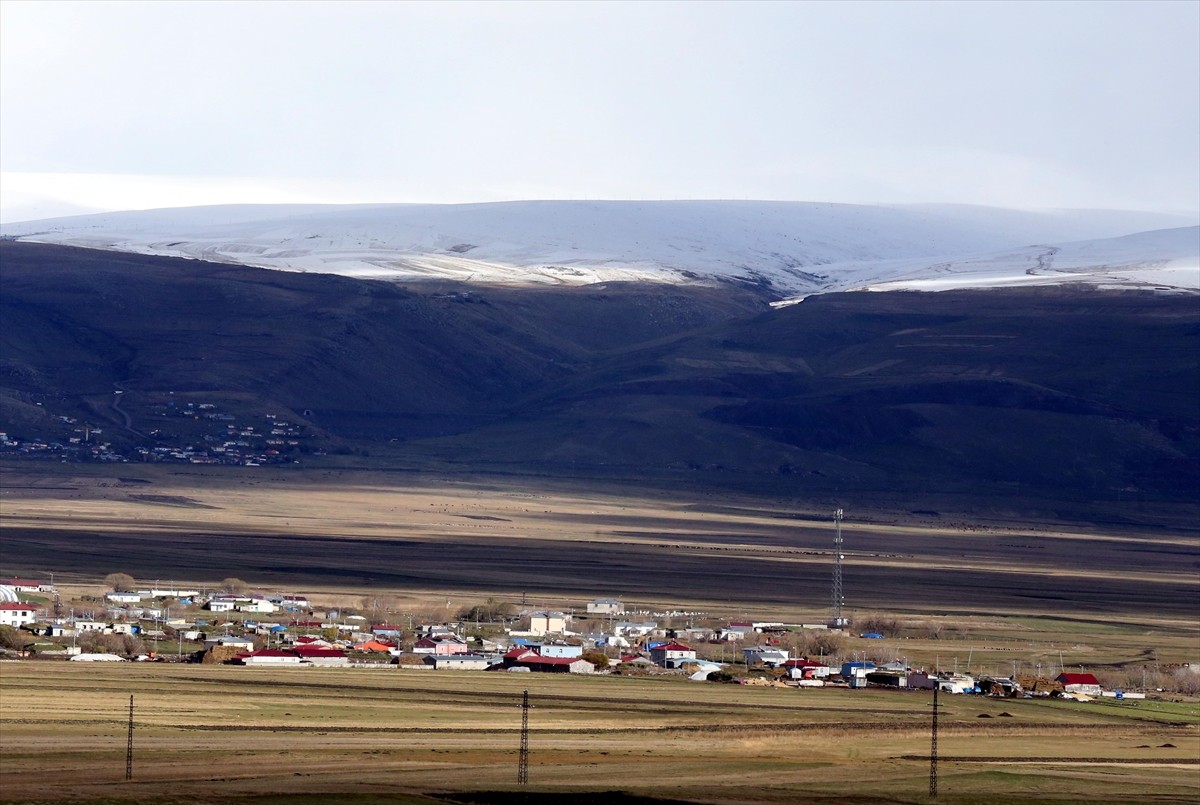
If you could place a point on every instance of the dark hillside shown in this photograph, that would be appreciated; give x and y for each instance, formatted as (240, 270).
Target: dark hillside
(1058, 399)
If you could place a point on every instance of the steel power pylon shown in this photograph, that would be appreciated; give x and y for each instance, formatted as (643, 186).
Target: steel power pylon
(129, 744)
(523, 762)
(933, 748)
(838, 599)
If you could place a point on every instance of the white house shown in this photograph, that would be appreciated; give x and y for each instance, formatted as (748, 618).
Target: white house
(124, 598)
(256, 604)
(269, 656)
(27, 586)
(229, 640)
(157, 592)
(459, 662)
(766, 655)
(89, 626)
(17, 614)
(221, 604)
(1087, 684)
(544, 623)
(671, 655)
(634, 629)
(605, 606)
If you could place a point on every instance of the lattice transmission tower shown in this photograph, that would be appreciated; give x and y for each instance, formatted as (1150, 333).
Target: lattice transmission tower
(129, 744)
(523, 761)
(838, 599)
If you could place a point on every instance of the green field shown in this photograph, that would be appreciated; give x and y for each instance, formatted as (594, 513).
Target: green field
(228, 734)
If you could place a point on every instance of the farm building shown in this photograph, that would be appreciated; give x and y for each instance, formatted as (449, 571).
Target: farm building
(124, 598)
(807, 669)
(30, 586)
(268, 656)
(97, 658)
(605, 606)
(1086, 684)
(558, 650)
(325, 657)
(458, 662)
(855, 673)
(531, 660)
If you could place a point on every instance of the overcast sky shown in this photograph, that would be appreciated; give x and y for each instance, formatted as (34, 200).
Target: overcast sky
(1028, 104)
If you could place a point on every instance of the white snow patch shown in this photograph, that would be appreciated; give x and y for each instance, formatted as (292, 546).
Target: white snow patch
(799, 248)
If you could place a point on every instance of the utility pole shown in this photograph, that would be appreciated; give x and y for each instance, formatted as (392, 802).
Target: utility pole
(933, 747)
(129, 744)
(523, 761)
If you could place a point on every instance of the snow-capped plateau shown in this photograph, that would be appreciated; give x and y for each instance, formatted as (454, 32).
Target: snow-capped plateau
(794, 248)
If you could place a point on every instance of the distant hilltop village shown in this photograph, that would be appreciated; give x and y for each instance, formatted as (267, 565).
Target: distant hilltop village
(190, 433)
(237, 626)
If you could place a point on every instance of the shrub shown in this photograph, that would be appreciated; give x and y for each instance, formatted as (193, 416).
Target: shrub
(597, 658)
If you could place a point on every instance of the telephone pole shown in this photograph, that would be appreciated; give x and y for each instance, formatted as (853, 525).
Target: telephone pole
(129, 744)
(933, 748)
(523, 762)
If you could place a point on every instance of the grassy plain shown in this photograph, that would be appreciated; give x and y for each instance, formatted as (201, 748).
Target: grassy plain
(414, 534)
(228, 734)
(1006, 592)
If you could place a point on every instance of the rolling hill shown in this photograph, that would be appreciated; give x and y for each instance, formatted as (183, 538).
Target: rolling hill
(787, 249)
(1068, 399)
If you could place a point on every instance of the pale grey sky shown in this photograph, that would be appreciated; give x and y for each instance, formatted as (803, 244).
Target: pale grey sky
(1030, 104)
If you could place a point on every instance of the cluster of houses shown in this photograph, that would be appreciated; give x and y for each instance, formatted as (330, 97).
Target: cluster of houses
(273, 441)
(547, 645)
(74, 443)
(230, 443)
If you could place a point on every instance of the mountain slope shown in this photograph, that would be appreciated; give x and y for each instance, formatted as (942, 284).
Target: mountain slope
(787, 248)
(1067, 398)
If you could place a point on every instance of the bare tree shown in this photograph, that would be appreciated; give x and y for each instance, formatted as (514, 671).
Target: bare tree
(234, 586)
(120, 582)
(378, 605)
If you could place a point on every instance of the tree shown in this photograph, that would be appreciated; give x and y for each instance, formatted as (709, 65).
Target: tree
(12, 638)
(597, 658)
(120, 582)
(377, 604)
(489, 611)
(234, 586)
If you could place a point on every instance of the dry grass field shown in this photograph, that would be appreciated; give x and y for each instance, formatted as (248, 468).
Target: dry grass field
(414, 534)
(228, 734)
(1004, 593)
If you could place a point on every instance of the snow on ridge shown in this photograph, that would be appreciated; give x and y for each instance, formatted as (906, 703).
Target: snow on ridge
(796, 247)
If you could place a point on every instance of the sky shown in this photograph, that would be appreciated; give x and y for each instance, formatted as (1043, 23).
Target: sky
(113, 105)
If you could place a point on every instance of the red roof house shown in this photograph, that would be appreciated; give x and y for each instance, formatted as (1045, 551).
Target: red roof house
(1080, 683)
(14, 613)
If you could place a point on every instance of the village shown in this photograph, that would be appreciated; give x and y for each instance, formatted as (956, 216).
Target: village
(236, 626)
(192, 433)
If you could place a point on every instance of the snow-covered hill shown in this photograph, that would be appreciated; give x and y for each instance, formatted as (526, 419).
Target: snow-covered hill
(797, 248)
